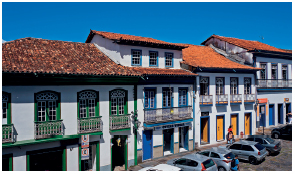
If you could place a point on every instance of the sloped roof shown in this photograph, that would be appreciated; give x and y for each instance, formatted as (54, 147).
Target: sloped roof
(206, 57)
(31, 55)
(126, 37)
(248, 44)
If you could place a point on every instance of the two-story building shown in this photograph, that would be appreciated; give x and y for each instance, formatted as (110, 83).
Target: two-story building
(273, 81)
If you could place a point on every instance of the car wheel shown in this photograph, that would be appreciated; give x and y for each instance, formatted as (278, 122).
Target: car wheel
(252, 160)
(276, 135)
(221, 169)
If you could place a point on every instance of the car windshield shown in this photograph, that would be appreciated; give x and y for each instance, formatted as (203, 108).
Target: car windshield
(229, 156)
(270, 140)
(208, 163)
(259, 146)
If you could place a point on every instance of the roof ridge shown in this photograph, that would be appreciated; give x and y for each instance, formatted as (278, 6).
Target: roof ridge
(32, 38)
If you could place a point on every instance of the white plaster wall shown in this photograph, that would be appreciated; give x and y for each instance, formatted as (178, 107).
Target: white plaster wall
(122, 53)
(73, 158)
(226, 110)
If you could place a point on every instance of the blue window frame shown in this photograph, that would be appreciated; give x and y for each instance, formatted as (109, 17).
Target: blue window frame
(168, 59)
(149, 98)
(153, 58)
(167, 97)
(136, 57)
(182, 96)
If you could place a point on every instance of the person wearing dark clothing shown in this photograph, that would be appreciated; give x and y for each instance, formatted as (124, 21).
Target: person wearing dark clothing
(235, 164)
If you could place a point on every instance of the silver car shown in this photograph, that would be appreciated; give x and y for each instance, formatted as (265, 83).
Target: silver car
(272, 146)
(194, 162)
(221, 156)
(248, 150)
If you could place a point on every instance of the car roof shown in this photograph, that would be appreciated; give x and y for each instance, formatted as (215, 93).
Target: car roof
(219, 150)
(244, 142)
(161, 167)
(196, 157)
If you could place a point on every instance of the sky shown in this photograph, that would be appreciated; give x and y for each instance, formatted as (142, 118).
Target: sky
(176, 22)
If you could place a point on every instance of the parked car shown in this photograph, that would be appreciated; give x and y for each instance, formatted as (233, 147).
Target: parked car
(272, 146)
(161, 167)
(221, 156)
(248, 150)
(282, 132)
(194, 162)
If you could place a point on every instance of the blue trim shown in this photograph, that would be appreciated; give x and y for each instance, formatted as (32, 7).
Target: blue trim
(250, 122)
(171, 60)
(139, 149)
(167, 123)
(249, 102)
(157, 63)
(140, 61)
(167, 89)
(152, 149)
(208, 128)
(148, 89)
(235, 103)
(273, 114)
(158, 146)
(237, 121)
(176, 142)
(223, 125)
(190, 139)
(223, 104)
(180, 99)
(204, 105)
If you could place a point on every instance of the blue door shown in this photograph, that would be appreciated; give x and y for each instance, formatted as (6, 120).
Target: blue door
(288, 108)
(262, 115)
(172, 141)
(147, 144)
(281, 114)
(271, 114)
(185, 133)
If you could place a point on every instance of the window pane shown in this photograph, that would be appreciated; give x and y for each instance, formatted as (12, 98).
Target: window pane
(82, 104)
(153, 58)
(164, 99)
(146, 99)
(168, 59)
(273, 71)
(136, 57)
(114, 106)
(234, 85)
(52, 110)
(152, 99)
(41, 110)
(121, 105)
(204, 83)
(263, 71)
(219, 86)
(4, 110)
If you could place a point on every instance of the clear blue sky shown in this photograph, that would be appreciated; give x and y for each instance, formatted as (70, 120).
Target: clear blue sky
(172, 22)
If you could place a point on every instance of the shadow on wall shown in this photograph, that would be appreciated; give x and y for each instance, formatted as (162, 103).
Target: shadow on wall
(221, 108)
(206, 109)
(235, 108)
(249, 107)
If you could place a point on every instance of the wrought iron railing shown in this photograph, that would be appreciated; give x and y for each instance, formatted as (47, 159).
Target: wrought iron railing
(236, 98)
(47, 129)
(120, 122)
(88, 125)
(249, 98)
(221, 99)
(167, 114)
(272, 83)
(206, 99)
(7, 133)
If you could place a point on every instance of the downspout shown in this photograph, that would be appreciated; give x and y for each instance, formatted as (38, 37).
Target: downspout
(135, 132)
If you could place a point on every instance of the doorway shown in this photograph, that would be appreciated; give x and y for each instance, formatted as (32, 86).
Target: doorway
(234, 123)
(262, 115)
(280, 114)
(247, 123)
(220, 128)
(168, 138)
(183, 139)
(271, 114)
(119, 152)
(288, 110)
(204, 130)
(147, 144)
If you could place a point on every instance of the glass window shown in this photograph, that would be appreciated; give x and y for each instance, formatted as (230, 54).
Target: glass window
(214, 155)
(136, 57)
(87, 104)
(284, 72)
(247, 148)
(263, 71)
(118, 102)
(274, 71)
(250, 139)
(153, 58)
(235, 146)
(219, 85)
(206, 153)
(191, 163)
(247, 85)
(259, 140)
(167, 96)
(259, 146)
(229, 156)
(168, 59)
(182, 97)
(149, 99)
(270, 140)
(47, 106)
(208, 163)
(234, 85)
(181, 161)
(204, 85)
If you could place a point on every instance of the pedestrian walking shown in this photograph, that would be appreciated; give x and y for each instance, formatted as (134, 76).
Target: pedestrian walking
(235, 164)
(229, 135)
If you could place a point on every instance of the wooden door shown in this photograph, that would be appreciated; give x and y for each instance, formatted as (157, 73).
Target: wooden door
(247, 124)
(219, 128)
(234, 120)
(205, 129)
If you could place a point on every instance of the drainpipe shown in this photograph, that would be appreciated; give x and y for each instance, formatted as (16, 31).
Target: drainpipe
(135, 132)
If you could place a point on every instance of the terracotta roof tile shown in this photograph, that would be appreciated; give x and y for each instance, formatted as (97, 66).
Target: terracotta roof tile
(206, 57)
(117, 36)
(248, 45)
(162, 71)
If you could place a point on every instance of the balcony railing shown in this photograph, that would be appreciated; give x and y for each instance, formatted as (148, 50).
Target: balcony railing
(167, 114)
(120, 122)
(274, 83)
(249, 98)
(206, 99)
(7, 133)
(222, 99)
(48, 128)
(236, 98)
(88, 125)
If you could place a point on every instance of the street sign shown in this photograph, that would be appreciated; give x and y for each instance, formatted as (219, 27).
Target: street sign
(85, 154)
(85, 141)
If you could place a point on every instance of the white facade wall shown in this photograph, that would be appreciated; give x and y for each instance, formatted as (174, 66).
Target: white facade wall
(122, 53)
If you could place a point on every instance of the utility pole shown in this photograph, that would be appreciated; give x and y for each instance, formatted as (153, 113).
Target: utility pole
(262, 38)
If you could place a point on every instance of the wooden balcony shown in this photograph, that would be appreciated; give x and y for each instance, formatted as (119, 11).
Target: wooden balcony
(118, 122)
(221, 99)
(8, 133)
(47, 129)
(236, 98)
(249, 98)
(160, 115)
(89, 125)
(206, 99)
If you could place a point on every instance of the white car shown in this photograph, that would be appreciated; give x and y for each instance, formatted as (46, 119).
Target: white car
(161, 167)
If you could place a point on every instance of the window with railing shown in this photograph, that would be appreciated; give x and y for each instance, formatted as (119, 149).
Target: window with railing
(284, 72)
(136, 57)
(6, 117)
(149, 98)
(153, 58)
(247, 85)
(274, 70)
(182, 96)
(204, 85)
(88, 104)
(263, 71)
(169, 59)
(219, 85)
(233, 85)
(118, 102)
(167, 97)
(47, 106)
